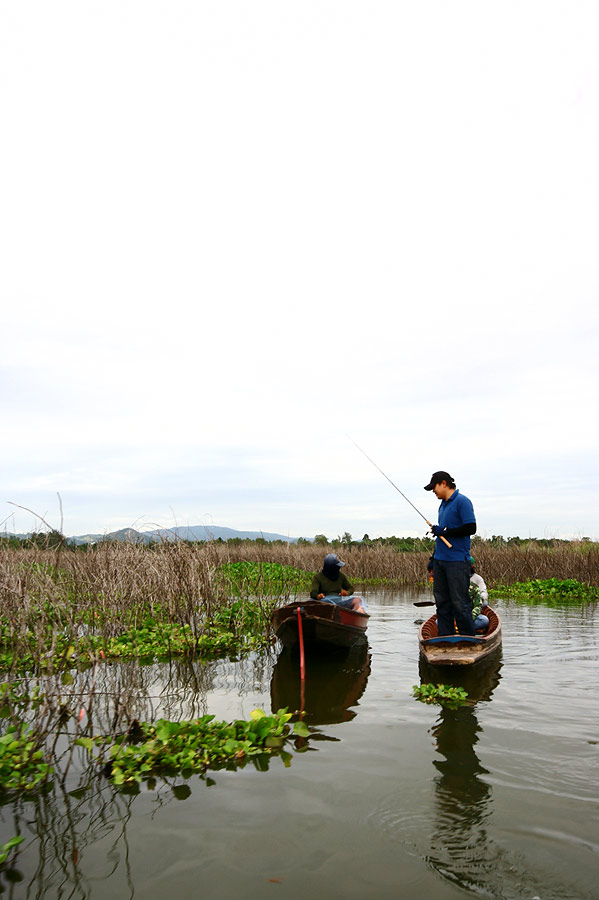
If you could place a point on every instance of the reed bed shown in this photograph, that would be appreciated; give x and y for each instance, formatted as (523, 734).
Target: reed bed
(372, 565)
(179, 582)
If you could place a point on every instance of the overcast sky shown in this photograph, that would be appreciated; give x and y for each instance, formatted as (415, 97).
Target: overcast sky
(235, 235)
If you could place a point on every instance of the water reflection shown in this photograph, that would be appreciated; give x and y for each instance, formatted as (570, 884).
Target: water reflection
(460, 840)
(66, 827)
(334, 683)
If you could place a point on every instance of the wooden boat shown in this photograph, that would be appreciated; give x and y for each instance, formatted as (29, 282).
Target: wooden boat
(459, 649)
(322, 624)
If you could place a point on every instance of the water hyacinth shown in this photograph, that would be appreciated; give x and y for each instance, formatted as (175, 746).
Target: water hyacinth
(443, 694)
(169, 748)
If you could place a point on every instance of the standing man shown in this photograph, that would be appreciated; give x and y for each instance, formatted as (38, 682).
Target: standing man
(451, 565)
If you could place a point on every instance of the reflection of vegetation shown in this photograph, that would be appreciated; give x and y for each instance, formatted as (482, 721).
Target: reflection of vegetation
(7, 847)
(549, 590)
(11, 874)
(443, 694)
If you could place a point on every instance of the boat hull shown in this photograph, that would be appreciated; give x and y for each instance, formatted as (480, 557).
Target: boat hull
(458, 649)
(322, 624)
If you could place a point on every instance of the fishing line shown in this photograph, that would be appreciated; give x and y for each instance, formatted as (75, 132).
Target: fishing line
(430, 524)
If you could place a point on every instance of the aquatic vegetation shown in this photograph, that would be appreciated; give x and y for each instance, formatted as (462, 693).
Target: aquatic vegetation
(22, 763)
(443, 694)
(169, 748)
(245, 577)
(164, 640)
(548, 590)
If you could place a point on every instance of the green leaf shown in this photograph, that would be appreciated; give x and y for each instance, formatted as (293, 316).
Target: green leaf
(163, 731)
(257, 714)
(86, 742)
(301, 729)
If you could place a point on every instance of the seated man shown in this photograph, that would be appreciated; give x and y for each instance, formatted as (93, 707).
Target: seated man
(332, 585)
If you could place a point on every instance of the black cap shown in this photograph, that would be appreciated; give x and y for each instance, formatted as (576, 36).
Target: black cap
(331, 559)
(437, 478)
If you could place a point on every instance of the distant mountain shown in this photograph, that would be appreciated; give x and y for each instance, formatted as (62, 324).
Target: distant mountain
(181, 533)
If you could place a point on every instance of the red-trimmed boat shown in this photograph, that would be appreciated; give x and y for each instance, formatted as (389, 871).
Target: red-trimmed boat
(459, 649)
(322, 624)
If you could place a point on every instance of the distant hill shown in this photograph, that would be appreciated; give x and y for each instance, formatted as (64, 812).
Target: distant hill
(181, 533)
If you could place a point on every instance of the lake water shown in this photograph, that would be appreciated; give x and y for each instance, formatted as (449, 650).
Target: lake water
(389, 797)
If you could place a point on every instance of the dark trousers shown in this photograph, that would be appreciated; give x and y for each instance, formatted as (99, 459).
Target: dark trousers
(451, 583)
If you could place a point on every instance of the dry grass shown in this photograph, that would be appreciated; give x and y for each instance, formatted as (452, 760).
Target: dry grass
(182, 581)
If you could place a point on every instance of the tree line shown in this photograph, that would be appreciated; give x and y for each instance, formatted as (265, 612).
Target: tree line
(54, 539)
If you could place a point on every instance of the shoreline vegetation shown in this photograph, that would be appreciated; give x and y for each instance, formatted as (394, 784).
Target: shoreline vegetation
(62, 607)
(78, 625)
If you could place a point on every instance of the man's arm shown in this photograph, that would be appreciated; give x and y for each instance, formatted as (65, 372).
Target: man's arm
(346, 585)
(460, 530)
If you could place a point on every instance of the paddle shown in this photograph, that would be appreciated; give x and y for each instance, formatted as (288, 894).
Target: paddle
(424, 603)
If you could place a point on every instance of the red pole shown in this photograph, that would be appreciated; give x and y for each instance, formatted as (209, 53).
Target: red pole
(300, 635)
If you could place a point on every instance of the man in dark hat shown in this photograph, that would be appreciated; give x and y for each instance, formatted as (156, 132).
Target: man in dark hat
(333, 586)
(451, 564)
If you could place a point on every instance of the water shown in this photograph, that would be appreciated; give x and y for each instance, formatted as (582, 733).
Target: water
(391, 798)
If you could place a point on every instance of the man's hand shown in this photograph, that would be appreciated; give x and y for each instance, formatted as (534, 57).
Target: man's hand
(320, 597)
(437, 530)
(343, 593)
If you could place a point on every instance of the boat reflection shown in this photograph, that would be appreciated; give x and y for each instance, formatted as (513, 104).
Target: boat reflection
(479, 681)
(461, 844)
(334, 683)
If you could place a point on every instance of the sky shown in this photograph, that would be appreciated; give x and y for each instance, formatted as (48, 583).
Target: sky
(238, 237)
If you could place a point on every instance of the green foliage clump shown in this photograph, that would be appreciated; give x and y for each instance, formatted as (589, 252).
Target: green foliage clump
(443, 694)
(549, 590)
(22, 765)
(163, 640)
(238, 626)
(152, 640)
(170, 748)
(246, 578)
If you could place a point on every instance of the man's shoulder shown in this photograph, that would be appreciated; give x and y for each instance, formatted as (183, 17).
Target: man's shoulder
(464, 503)
(461, 497)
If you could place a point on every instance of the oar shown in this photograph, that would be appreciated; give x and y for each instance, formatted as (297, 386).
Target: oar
(424, 603)
(430, 524)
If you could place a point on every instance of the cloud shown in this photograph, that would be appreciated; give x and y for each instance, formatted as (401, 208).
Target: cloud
(233, 235)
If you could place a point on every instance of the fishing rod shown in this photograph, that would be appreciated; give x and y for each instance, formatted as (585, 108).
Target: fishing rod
(430, 524)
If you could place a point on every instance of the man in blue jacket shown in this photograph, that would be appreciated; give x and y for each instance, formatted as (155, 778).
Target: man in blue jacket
(451, 565)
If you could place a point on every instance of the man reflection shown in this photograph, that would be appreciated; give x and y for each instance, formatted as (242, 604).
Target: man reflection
(460, 840)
